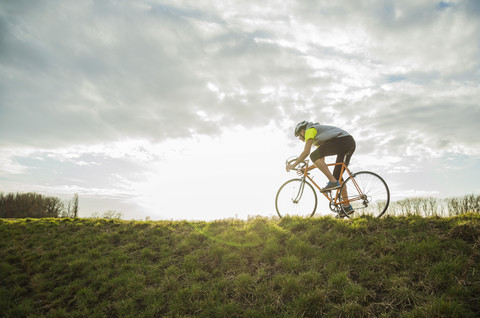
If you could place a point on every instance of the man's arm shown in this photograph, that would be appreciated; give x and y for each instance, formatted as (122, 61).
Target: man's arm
(303, 155)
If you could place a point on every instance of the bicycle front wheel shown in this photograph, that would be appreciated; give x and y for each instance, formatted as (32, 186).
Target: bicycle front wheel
(368, 193)
(296, 197)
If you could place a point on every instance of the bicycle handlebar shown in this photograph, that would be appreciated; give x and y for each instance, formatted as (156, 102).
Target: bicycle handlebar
(300, 167)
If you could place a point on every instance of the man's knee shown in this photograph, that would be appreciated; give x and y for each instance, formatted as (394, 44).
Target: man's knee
(314, 156)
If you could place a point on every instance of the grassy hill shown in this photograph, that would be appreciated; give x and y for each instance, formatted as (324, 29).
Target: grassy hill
(364, 267)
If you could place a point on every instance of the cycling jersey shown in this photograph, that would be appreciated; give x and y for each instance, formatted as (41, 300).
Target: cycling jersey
(323, 133)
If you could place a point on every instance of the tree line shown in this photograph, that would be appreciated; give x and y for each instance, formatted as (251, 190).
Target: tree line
(430, 206)
(34, 205)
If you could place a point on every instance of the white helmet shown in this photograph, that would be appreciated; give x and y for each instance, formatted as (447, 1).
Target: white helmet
(301, 125)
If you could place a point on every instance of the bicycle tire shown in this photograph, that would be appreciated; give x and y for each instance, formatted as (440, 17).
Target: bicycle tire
(375, 190)
(306, 204)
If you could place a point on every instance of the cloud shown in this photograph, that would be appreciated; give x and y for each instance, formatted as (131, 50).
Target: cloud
(81, 71)
(105, 170)
(394, 73)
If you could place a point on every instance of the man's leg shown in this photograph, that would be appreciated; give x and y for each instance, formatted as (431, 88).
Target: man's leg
(320, 163)
(346, 160)
(345, 195)
(318, 158)
(343, 148)
(337, 147)
(341, 157)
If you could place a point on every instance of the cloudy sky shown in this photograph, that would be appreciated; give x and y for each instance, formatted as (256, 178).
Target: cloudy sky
(185, 109)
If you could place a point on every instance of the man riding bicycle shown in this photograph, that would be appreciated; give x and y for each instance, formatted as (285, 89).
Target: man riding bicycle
(330, 141)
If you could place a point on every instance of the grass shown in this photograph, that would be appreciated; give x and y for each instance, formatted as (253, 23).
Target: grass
(363, 267)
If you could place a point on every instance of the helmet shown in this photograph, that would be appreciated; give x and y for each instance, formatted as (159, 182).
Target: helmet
(301, 125)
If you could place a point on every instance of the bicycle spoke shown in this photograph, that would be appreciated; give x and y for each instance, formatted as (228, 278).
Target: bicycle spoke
(368, 194)
(296, 197)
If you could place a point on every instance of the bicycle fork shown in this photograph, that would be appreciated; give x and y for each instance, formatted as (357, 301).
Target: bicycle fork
(300, 192)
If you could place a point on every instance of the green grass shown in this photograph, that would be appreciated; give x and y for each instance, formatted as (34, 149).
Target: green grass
(363, 267)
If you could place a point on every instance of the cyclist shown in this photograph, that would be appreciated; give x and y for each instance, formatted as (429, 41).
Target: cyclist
(330, 141)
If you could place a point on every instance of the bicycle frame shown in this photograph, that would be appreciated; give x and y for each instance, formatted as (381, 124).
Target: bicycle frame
(336, 201)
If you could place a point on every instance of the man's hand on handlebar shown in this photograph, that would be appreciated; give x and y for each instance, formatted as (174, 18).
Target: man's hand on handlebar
(300, 167)
(290, 167)
(300, 171)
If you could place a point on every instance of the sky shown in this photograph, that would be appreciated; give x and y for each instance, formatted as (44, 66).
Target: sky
(185, 109)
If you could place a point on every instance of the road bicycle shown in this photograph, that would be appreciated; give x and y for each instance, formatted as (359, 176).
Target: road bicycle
(368, 194)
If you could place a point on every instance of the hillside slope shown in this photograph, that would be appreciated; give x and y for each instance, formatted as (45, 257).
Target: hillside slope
(391, 267)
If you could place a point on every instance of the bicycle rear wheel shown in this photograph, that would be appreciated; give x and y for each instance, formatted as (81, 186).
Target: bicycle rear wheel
(296, 197)
(368, 194)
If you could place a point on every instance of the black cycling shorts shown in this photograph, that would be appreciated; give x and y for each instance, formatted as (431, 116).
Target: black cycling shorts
(343, 147)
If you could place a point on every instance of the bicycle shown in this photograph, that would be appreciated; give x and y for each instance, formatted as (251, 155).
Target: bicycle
(367, 193)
